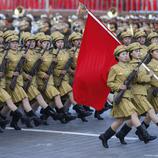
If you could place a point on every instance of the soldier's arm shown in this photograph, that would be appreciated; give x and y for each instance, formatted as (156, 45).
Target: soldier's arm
(112, 82)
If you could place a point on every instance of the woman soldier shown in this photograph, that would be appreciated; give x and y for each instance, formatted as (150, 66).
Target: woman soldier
(50, 92)
(152, 38)
(125, 109)
(75, 41)
(4, 96)
(18, 94)
(62, 61)
(32, 91)
(140, 36)
(139, 90)
(153, 90)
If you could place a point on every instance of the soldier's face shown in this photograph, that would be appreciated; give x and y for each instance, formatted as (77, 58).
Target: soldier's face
(60, 44)
(155, 54)
(14, 45)
(141, 40)
(46, 44)
(136, 54)
(77, 43)
(31, 43)
(126, 40)
(124, 57)
(154, 40)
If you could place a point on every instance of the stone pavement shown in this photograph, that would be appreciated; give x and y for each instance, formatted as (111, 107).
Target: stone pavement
(73, 140)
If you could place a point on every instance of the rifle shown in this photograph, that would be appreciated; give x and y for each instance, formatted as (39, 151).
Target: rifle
(4, 63)
(66, 67)
(18, 69)
(50, 71)
(130, 78)
(34, 71)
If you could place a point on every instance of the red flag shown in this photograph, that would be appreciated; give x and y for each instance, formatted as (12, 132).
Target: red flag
(94, 61)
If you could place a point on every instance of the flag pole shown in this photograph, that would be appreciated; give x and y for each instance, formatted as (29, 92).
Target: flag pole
(101, 24)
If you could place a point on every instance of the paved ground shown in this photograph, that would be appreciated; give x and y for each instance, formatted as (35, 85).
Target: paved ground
(73, 140)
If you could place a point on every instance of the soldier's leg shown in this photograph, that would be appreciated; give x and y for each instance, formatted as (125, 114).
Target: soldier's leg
(61, 110)
(30, 113)
(3, 117)
(47, 110)
(153, 116)
(104, 137)
(79, 108)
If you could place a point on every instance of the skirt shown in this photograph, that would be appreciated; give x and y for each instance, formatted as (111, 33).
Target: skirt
(64, 88)
(33, 92)
(123, 110)
(4, 96)
(18, 94)
(142, 104)
(51, 92)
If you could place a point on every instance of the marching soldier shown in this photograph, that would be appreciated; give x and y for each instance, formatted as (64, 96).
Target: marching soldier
(50, 91)
(75, 41)
(18, 94)
(126, 37)
(4, 96)
(61, 73)
(140, 36)
(152, 91)
(125, 109)
(139, 91)
(32, 89)
(152, 38)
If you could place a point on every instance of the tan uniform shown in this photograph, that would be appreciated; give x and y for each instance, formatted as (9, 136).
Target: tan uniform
(139, 88)
(153, 65)
(116, 78)
(18, 94)
(62, 59)
(51, 91)
(74, 64)
(4, 96)
(31, 58)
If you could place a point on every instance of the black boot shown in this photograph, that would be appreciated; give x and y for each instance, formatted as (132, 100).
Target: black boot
(26, 121)
(32, 116)
(16, 115)
(87, 108)
(97, 115)
(66, 117)
(3, 121)
(142, 132)
(106, 136)
(81, 112)
(144, 125)
(48, 111)
(122, 133)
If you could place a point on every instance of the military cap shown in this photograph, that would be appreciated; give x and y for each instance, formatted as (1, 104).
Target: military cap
(12, 38)
(75, 36)
(140, 34)
(57, 36)
(152, 47)
(25, 36)
(9, 33)
(119, 49)
(46, 38)
(126, 34)
(152, 35)
(134, 46)
(39, 35)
